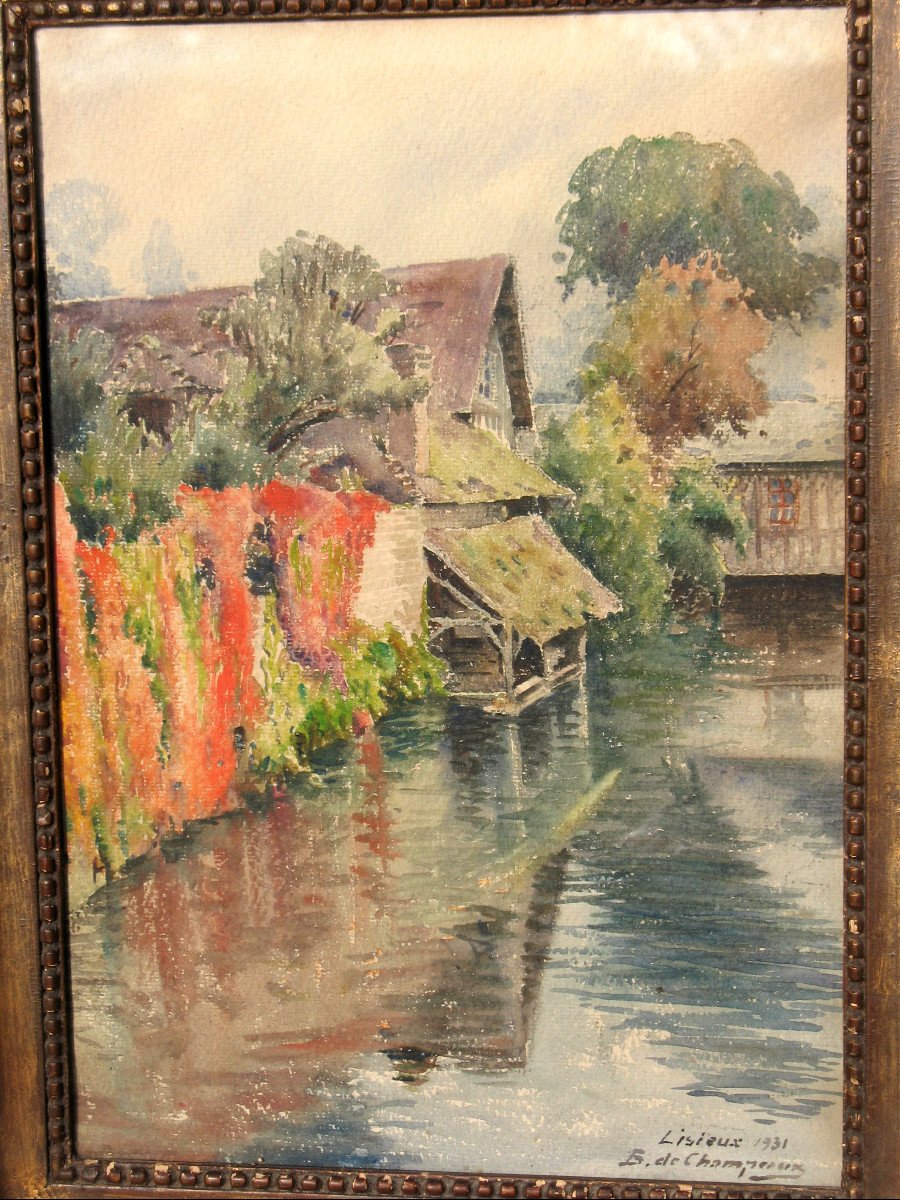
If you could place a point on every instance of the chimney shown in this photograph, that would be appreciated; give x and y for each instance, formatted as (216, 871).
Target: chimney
(408, 426)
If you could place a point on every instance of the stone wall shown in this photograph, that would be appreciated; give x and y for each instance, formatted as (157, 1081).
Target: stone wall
(393, 572)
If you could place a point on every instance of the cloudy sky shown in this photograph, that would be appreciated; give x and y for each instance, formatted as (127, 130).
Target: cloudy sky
(424, 140)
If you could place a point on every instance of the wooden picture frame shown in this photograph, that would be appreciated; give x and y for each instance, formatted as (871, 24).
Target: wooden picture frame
(37, 1154)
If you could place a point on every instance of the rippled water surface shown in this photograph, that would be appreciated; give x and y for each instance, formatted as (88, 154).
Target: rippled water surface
(465, 944)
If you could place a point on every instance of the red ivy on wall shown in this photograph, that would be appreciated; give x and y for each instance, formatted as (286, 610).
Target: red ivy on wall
(154, 737)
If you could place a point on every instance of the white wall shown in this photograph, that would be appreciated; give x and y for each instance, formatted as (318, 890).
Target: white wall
(491, 403)
(393, 572)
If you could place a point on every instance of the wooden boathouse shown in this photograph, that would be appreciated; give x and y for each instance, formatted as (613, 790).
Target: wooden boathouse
(507, 606)
(788, 473)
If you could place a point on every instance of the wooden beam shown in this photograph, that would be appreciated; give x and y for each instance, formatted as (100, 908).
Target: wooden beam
(440, 625)
(507, 650)
(463, 599)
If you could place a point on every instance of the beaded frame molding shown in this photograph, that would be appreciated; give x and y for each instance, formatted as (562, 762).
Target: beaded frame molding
(46, 1162)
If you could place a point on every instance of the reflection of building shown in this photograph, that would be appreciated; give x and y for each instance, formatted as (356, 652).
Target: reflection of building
(789, 474)
(508, 603)
(789, 628)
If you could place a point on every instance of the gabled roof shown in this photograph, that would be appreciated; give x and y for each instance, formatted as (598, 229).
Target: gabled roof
(521, 570)
(167, 345)
(451, 308)
(160, 343)
(345, 444)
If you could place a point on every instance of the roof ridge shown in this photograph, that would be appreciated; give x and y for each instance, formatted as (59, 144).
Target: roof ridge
(499, 257)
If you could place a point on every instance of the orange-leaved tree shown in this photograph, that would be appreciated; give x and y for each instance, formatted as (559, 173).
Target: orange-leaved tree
(681, 350)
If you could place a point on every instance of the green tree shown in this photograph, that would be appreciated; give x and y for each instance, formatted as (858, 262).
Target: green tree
(78, 366)
(226, 449)
(677, 198)
(309, 358)
(701, 512)
(121, 476)
(613, 525)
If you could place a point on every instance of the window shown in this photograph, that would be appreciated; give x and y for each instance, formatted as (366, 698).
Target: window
(491, 405)
(782, 501)
(486, 387)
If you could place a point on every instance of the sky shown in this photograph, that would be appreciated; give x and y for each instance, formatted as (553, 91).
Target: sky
(426, 140)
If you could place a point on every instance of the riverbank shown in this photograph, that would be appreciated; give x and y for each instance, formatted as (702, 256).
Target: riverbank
(382, 959)
(207, 659)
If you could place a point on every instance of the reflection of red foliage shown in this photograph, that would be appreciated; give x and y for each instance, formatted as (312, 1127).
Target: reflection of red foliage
(332, 530)
(374, 822)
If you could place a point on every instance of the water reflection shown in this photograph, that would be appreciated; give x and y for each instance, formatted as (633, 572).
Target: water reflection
(382, 966)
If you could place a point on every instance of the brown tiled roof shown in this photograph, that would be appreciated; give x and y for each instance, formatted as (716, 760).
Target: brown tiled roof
(161, 342)
(165, 351)
(450, 308)
(346, 444)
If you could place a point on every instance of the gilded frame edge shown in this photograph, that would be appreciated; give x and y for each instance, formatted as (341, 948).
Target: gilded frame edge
(35, 1115)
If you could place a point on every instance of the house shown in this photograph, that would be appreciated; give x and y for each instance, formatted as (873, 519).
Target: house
(163, 351)
(507, 604)
(788, 472)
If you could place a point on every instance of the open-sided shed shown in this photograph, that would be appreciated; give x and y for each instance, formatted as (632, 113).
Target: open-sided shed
(508, 606)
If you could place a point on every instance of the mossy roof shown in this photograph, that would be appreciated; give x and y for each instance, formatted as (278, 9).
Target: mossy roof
(521, 570)
(471, 466)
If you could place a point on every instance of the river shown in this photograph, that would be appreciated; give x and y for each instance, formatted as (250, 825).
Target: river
(465, 943)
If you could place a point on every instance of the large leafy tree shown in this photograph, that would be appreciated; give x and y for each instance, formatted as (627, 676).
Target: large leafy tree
(677, 198)
(681, 350)
(649, 540)
(308, 353)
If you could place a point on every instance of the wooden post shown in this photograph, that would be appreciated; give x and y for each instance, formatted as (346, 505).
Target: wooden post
(508, 678)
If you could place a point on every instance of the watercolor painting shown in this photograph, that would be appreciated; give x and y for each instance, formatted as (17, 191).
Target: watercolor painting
(447, 444)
